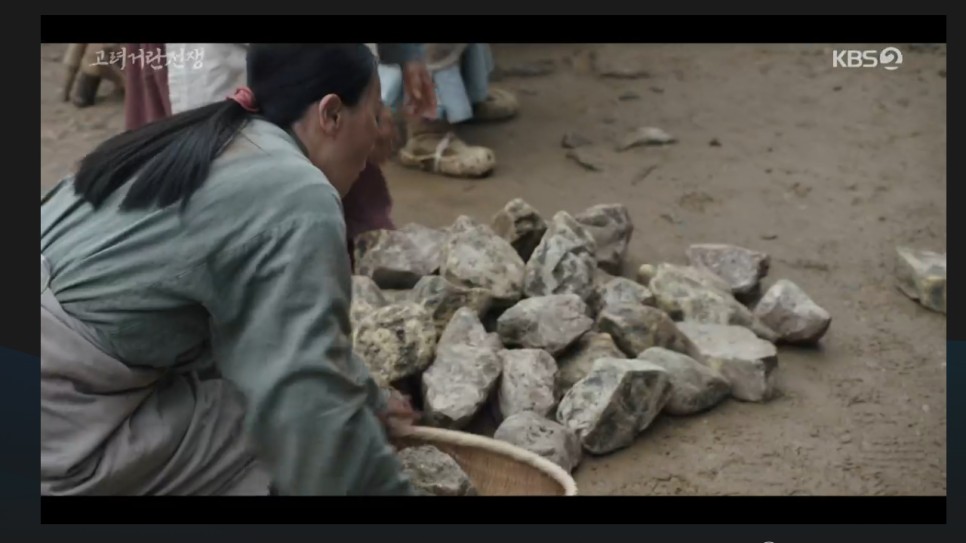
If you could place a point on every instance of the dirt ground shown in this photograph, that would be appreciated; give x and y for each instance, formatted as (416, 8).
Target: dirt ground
(826, 169)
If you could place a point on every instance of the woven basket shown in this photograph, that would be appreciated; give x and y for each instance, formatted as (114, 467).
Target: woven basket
(496, 468)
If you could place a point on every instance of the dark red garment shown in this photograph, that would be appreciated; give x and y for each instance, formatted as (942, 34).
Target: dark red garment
(367, 206)
(146, 96)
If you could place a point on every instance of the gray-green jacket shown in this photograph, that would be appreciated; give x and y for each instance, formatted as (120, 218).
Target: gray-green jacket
(252, 278)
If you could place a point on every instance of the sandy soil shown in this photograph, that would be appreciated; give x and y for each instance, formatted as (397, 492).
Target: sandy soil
(826, 169)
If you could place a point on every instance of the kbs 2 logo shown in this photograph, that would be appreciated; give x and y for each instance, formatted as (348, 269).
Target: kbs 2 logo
(889, 58)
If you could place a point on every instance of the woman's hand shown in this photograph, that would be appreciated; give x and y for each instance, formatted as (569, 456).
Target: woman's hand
(399, 413)
(387, 138)
(420, 91)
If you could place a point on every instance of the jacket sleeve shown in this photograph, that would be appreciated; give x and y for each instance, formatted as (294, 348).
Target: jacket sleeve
(281, 334)
(399, 53)
(376, 397)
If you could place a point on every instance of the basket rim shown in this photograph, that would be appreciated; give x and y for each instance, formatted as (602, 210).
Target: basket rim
(519, 454)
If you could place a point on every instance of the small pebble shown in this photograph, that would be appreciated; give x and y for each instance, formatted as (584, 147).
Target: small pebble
(715, 143)
(572, 140)
(648, 135)
(589, 160)
(669, 218)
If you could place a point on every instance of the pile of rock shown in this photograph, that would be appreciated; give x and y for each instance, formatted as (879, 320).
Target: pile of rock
(522, 320)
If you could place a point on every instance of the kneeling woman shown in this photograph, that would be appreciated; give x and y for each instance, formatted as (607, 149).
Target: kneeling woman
(213, 242)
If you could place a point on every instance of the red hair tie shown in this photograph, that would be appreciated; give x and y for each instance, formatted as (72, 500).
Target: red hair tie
(245, 98)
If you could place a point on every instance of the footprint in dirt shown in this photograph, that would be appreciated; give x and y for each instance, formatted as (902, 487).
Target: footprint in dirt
(534, 68)
(696, 201)
(800, 189)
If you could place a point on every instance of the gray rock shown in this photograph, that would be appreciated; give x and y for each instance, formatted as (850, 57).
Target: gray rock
(563, 262)
(428, 241)
(527, 383)
(747, 362)
(435, 473)
(617, 400)
(464, 328)
(550, 323)
(620, 290)
(636, 328)
(786, 309)
(395, 341)
(521, 225)
(494, 342)
(475, 257)
(442, 299)
(392, 258)
(921, 275)
(399, 295)
(574, 364)
(463, 375)
(611, 227)
(741, 268)
(366, 298)
(647, 272)
(694, 386)
(693, 295)
(542, 436)
(463, 224)
(366, 291)
(458, 384)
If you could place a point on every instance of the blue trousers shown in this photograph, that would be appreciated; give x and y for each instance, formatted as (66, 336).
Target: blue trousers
(457, 87)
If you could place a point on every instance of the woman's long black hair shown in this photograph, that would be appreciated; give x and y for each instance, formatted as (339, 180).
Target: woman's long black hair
(170, 159)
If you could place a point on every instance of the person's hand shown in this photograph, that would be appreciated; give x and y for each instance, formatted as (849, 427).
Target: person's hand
(399, 413)
(386, 139)
(420, 92)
